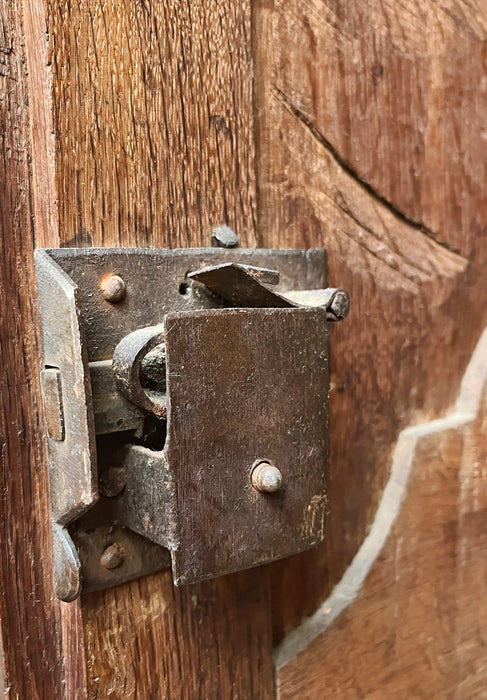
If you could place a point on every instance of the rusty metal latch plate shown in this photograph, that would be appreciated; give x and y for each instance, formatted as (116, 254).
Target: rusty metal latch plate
(186, 403)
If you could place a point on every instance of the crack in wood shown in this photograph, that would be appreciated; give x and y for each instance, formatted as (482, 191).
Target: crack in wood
(390, 206)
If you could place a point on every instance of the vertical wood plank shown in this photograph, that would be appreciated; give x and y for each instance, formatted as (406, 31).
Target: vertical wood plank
(32, 623)
(153, 121)
(148, 639)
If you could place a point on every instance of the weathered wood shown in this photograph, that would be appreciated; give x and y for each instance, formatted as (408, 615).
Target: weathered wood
(153, 120)
(38, 634)
(417, 626)
(150, 639)
(152, 114)
(355, 153)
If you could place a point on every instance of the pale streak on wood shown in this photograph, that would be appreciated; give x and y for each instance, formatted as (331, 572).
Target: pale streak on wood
(346, 591)
(371, 142)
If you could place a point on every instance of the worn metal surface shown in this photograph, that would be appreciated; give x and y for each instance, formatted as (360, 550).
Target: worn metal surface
(336, 301)
(67, 572)
(127, 368)
(227, 370)
(224, 237)
(140, 556)
(72, 459)
(243, 286)
(113, 288)
(245, 385)
(113, 412)
(153, 279)
(53, 403)
(266, 477)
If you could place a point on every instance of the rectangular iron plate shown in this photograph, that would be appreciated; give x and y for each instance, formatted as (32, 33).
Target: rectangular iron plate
(246, 385)
(239, 529)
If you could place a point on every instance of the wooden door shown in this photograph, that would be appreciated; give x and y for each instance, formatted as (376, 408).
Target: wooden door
(358, 126)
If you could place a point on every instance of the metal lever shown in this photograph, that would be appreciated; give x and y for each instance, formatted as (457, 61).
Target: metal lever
(244, 286)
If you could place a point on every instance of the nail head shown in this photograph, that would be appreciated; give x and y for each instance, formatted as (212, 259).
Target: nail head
(113, 556)
(113, 288)
(224, 237)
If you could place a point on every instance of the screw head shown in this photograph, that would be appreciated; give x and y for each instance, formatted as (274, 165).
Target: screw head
(266, 478)
(113, 288)
(113, 556)
(224, 237)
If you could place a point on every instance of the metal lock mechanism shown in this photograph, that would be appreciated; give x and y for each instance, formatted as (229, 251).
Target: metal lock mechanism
(186, 402)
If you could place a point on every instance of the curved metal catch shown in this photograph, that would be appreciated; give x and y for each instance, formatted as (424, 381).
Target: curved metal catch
(249, 287)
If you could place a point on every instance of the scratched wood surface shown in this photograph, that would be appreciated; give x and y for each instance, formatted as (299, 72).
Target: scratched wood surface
(371, 141)
(38, 633)
(153, 120)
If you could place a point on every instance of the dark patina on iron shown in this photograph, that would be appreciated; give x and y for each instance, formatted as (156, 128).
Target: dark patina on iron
(169, 377)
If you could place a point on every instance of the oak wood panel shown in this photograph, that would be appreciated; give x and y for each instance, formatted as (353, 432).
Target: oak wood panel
(148, 639)
(416, 282)
(418, 625)
(153, 123)
(38, 633)
(399, 92)
(153, 120)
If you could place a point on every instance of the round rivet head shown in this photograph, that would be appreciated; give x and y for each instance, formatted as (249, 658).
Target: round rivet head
(266, 478)
(113, 556)
(113, 288)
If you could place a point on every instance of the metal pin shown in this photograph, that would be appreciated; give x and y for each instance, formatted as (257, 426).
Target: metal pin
(266, 478)
(224, 237)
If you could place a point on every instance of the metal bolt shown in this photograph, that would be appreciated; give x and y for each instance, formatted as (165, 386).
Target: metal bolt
(266, 478)
(113, 288)
(113, 556)
(224, 237)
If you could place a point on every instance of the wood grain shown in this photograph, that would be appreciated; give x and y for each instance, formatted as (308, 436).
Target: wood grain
(418, 625)
(34, 627)
(370, 142)
(153, 121)
(148, 639)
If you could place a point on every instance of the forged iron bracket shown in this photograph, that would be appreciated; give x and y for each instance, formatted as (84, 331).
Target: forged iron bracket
(186, 408)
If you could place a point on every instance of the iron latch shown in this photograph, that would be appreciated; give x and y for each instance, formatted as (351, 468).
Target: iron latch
(186, 403)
